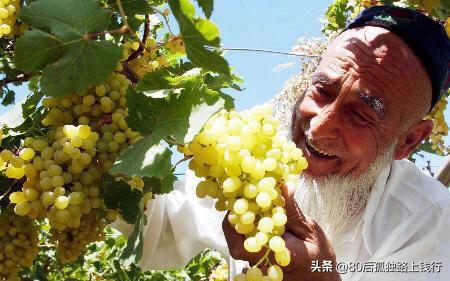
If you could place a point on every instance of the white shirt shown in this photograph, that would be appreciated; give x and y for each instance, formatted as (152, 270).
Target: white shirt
(405, 226)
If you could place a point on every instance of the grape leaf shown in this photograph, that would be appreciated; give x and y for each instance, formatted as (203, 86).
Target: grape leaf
(159, 186)
(149, 157)
(135, 245)
(207, 7)
(181, 115)
(131, 8)
(157, 80)
(31, 104)
(82, 61)
(83, 64)
(35, 49)
(9, 97)
(60, 17)
(197, 35)
(118, 195)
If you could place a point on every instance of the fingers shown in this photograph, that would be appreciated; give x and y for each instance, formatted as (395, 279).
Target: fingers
(297, 222)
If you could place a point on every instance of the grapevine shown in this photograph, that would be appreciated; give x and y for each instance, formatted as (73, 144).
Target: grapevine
(109, 101)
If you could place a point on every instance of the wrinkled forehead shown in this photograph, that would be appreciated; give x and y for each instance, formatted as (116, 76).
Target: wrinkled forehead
(376, 43)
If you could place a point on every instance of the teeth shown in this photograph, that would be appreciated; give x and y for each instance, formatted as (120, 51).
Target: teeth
(317, 149)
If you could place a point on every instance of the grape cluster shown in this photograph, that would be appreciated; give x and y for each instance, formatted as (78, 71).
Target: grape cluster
(151, 59)
(8, 16)
(71, 242)
(440, 128)
(18, 244)
(61, 184)
(62, 170)
(274, 273)
(220, 273)
(245, 162)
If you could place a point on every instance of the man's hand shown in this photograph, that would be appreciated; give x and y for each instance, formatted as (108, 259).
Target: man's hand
(304, 238)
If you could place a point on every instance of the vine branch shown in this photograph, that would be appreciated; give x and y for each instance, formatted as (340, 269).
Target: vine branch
(19, 78)
(270, 51)
(142, 42)
(123, 15)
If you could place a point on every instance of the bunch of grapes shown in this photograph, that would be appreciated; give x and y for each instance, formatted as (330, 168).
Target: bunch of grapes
(244, 163)
(61, 184)
(71, 242)
(8, 16)
(151, 59)
(440, 128)
(62, 170)
(220, 273)
(18, 244)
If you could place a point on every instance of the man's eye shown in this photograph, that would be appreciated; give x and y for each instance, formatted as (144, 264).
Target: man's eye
(360, 117)
(321, 92)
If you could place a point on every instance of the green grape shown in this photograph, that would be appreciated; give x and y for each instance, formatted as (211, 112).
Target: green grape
(251, 245)
(240, 206)
(283, 257)
(247, 217)
(27, 154)
(6, 155)
(254, 274)
(61, 202)
(275, 273)
(277, 244)
(265, 225)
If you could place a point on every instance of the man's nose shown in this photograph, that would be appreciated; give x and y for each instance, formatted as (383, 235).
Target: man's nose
(326, 123)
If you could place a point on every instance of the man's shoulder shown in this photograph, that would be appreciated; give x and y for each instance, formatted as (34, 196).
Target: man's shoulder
(414, 189)
(413, 206)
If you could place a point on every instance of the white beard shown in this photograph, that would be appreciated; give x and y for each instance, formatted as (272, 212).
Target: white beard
(334, 200)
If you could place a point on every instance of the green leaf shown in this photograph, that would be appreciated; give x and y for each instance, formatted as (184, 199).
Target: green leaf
(197, 34)
(181, 115)
(135, 245)
(131, 8)
(84, 63)
(31, 104)
(207, 7)
(157, 80)
(68, 16)
(9, 98)
(158, 186)
(77, 61)
(149, 157)
(35, 49)
(118, 195)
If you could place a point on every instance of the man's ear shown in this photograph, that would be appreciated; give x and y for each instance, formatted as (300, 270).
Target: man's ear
(412, 138)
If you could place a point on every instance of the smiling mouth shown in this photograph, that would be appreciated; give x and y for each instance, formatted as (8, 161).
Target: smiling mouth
(316, 151)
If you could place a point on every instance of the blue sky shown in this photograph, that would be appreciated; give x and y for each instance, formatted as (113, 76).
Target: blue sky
(265, 24)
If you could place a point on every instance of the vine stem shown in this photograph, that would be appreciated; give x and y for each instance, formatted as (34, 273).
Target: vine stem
(270, 51)
(142, 42)
(19, 78)
(187, 157)
(264, 258)
(165, 19)
(122, 30)
(123, 15)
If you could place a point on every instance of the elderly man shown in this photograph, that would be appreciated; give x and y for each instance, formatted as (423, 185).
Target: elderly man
(359, 207)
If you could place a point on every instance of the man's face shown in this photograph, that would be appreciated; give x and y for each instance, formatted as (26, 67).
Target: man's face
(367, 86)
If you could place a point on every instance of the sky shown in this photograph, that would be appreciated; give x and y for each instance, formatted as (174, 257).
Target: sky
(265, 24)
(262, 24)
